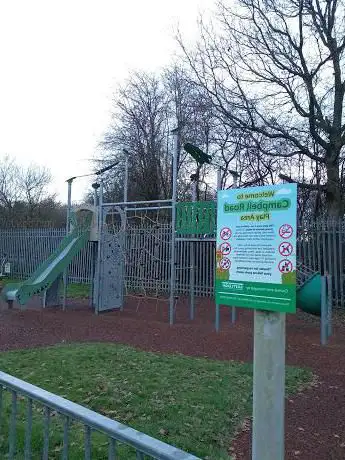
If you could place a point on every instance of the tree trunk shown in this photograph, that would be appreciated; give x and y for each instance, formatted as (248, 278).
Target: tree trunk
(333, 190)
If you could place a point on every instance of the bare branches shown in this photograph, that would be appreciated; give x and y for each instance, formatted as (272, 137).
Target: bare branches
(23, 191)
(9, 188)
(302, 184)
(276, 70)
(140, 124)
(33, 182)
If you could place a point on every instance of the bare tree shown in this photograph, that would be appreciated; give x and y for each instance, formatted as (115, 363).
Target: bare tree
(145, 110)
(140, 125)
(33, 182)
(230, 147)
(276, 71)
(22, 190)
(190, 111)
(9, 188)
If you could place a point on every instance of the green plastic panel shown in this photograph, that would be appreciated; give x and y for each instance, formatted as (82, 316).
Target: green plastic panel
(309, 295)
(198, 218)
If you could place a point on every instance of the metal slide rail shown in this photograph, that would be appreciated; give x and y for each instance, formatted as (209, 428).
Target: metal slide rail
(142, 444)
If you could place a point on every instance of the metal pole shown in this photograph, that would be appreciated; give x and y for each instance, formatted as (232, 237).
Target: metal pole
(68, 229)
(197, 240)
(120, 203)
(173, 225)
(93, 273)
(192, 262)
(95, 197)
(94, 244)
(124, 234)
(98, 264)
(268, 386)
(324, 311)
(219, 187)
(125, 185)
(147, 208)
(235, 185)
(330, 306)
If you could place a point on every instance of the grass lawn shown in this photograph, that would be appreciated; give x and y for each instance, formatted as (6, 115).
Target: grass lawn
(74, 290)
(78, 291)
(195, 404)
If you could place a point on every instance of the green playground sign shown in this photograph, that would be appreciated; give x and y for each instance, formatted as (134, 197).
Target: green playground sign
(256, 248)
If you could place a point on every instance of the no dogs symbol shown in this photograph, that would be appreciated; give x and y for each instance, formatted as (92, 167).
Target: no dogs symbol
(285, 249)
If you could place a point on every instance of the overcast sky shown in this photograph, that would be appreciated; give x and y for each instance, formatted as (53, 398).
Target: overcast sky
(60, 62)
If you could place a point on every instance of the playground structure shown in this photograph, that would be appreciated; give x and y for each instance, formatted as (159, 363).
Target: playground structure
(107, 291)
(106, 225)
(46, 279)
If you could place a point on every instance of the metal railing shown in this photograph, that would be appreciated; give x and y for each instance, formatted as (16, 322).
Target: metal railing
(142, 444)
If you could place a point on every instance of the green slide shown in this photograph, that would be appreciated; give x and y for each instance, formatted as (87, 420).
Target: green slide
(49, 270)
(309, 295)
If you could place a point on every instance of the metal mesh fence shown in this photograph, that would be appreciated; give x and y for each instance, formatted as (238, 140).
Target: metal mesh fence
(320, 247)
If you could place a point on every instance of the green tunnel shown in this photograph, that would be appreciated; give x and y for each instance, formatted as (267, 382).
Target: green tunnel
(309, 295)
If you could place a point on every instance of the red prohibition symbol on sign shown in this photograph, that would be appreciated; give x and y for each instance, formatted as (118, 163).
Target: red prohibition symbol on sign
(225, 233)
(285, 231)
(285, 266)
(225, 248)
(225, 263)
(285, 249)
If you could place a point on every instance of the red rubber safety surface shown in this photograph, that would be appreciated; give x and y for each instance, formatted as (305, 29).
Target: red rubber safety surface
(315, 418)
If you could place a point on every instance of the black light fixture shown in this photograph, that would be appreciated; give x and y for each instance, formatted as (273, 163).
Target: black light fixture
(97, 173)
(199, 156)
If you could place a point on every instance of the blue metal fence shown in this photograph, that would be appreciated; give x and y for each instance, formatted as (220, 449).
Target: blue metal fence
(142, 445)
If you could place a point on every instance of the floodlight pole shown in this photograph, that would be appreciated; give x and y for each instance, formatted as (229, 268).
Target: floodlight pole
(95, 187)
(125, 185)
(192, 259)
(69, 203)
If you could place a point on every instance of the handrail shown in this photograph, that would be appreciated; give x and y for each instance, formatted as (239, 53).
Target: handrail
(129, 203)
(115, 430)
